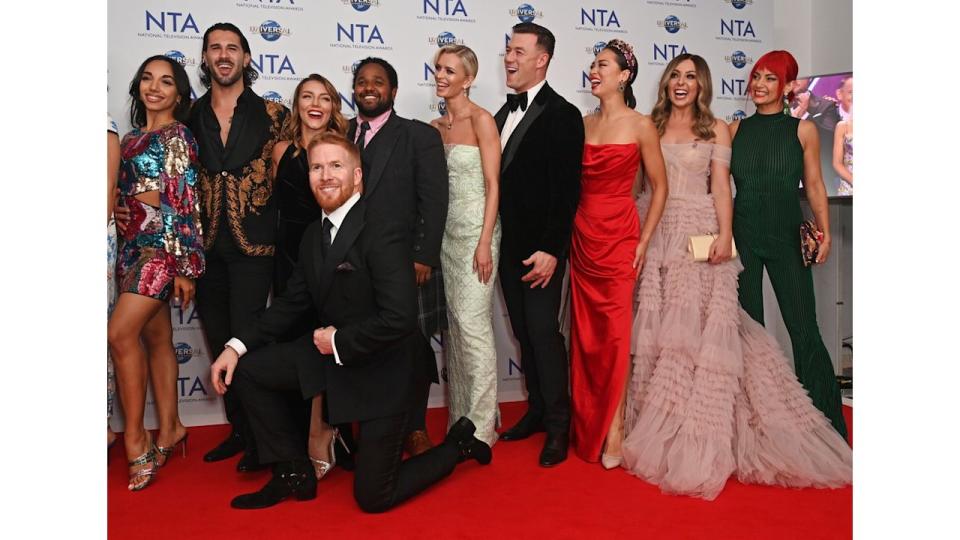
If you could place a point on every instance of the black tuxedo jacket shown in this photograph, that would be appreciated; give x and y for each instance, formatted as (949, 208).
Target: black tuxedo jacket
(366, 288)
(405, 179)
(540, 176)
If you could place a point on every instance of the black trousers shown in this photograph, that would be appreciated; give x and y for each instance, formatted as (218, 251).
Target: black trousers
(534, 318)
(265, 379)
(230, 295)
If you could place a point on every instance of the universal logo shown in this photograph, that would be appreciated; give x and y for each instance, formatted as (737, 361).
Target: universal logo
(737, 115)
(275, 97)
(526, 13)
(597, 47)
(738, 59)
(270, 30)
(672, 24)
(439, 107)
(185, 352)
(445, 38)
(180, 58)
(739, 4)
(361, 5)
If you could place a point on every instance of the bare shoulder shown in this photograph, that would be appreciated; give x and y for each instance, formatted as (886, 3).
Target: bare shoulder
(721, 132)
(643, 124)
(483, 121)
(435, 123)
(280, 148)
(806, 130)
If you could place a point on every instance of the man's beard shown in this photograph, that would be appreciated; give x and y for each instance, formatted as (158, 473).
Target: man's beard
(380, 108)
(229, 80)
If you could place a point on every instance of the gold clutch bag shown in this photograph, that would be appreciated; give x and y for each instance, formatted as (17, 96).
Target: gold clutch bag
(699, 246)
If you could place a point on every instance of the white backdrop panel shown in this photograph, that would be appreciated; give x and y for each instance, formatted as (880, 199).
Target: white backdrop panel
(293, 38)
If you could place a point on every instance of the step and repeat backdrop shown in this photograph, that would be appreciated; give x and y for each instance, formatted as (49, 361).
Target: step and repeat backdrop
(292, 38)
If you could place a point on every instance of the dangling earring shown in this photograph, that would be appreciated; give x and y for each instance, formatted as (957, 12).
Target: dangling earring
(621, 87)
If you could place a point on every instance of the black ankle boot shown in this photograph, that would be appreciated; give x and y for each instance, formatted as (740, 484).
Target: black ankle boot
(468, 446)
(293, 478)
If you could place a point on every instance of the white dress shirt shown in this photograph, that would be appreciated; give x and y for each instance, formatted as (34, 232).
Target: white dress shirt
(514, 118)
(336, 219)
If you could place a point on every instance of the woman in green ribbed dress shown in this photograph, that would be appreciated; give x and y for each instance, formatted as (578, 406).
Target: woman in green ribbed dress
(772, 152)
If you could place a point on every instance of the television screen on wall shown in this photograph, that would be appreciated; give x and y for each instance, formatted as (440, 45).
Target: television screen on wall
(827, 101)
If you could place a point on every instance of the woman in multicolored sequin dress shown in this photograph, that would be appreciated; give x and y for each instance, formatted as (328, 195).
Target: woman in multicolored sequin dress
(160, 255)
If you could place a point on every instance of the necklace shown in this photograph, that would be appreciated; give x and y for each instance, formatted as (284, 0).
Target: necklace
(449, 121)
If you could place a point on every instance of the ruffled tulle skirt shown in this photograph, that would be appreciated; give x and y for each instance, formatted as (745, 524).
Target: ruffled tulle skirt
(711, 393)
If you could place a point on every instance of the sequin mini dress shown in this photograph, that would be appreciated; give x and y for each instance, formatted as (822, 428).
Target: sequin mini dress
(163, 242)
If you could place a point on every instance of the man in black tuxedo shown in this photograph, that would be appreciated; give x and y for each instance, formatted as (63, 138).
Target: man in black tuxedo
(405, 178)
(542, 139)
(355, 269)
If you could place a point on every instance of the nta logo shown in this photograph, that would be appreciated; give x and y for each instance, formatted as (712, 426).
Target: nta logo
(175, 21)
(270, 30)
(526, 13)
(672, 24)
(355, 32)
(448, 7)
(667, 51)
(273, 64)
(738, 59)
(737, 28)
(599, 17)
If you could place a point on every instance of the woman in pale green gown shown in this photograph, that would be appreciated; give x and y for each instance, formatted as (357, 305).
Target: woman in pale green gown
(471, 242)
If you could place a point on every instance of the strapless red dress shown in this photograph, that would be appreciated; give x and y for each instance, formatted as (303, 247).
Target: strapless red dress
(606, 231)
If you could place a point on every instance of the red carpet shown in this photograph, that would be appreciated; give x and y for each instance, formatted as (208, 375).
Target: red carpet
(511, 498)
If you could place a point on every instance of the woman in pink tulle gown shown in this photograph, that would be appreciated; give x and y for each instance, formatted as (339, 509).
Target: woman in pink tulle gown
(711, 394)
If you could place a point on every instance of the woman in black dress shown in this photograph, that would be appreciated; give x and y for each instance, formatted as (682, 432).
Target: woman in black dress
(316, 109)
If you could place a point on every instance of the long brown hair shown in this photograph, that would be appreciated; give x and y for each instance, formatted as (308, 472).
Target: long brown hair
(703, 119)
(291, 128)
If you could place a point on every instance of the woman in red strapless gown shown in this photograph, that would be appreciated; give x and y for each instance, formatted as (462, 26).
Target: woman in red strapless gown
(606, 253)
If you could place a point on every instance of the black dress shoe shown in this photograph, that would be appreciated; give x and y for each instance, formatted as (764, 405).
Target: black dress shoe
(232, 446)
(469, 447)
(250, 462)
(289, 479)
(554, 450)
(526, 427)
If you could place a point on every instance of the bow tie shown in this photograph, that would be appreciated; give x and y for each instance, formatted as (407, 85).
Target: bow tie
(517, 100)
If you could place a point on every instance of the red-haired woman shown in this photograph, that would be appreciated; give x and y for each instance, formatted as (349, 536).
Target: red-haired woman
(771, 152)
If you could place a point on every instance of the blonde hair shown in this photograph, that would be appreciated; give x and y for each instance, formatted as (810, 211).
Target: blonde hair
(703, 119)
(291, 128)
(466, 56)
